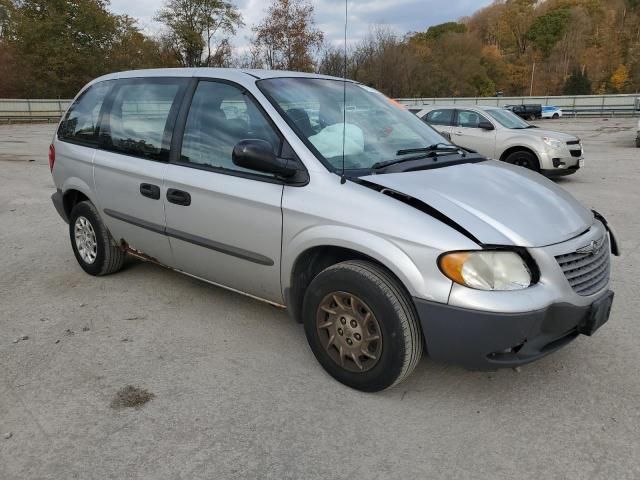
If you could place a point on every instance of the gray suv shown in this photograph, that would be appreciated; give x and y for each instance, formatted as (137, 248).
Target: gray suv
(501, 134)
(324, 197)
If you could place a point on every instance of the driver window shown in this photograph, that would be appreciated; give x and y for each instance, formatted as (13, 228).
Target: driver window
(221, 115)
(469, 119)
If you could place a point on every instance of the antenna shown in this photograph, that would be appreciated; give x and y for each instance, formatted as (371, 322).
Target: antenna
(343, 179)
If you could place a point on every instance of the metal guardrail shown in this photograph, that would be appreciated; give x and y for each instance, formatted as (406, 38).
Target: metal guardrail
(18, 109)
(578, 105)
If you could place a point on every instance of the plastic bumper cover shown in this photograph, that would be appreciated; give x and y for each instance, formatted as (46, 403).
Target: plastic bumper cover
(56, 198)
(480, 340)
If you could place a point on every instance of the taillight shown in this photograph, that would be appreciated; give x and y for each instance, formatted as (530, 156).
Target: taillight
(52, 156)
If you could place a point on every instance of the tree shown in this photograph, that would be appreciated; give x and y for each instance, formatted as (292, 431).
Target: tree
(620, 78)
(54, 47)
(516, 20)
(547, 29)
(332, 62)
(198, 30)
(437, 31)
(287, 37)
(578, 83)
(6, 13)
(61, 45)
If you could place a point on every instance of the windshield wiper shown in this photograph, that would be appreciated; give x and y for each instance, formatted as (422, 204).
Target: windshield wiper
(436, 147)
(424, 152)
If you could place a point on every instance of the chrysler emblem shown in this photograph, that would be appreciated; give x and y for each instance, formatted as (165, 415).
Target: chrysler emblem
(592, 249)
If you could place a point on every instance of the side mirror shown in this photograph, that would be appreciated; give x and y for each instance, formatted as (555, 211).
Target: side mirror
(486, 126)
(258, 155)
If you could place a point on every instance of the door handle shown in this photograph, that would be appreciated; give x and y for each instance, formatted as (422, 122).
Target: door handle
(458, 133)
(150, 191)
(179, 197)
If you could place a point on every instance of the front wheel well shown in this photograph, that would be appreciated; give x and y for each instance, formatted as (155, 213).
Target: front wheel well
(310, 263)
(71, 198)
(518, 148)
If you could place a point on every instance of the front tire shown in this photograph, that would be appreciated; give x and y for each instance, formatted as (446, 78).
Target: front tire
(92, 244)
(362, 326)
(523, 158)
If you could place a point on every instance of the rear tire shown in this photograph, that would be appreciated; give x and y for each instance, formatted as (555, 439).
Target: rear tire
(377, 340)
(95, 249)
(555, 116)
(523, 158)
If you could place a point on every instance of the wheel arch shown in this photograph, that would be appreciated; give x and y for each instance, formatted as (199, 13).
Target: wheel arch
(310, 258)
(519, 148)
(74, 191)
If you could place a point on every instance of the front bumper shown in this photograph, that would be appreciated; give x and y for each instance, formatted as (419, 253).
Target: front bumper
(561, 162)
(480, 340)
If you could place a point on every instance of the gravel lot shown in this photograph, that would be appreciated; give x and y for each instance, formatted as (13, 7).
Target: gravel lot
(235, 391)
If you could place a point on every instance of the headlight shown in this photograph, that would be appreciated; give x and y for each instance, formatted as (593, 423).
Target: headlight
(553, 142)
(486, 270)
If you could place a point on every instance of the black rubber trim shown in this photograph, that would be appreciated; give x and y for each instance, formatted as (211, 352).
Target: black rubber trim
(153, 227)
(615, 246)
(194, 239)
(57, 200)
(220, 247)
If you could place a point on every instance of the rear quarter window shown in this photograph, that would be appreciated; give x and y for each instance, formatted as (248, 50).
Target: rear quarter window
(81, 123)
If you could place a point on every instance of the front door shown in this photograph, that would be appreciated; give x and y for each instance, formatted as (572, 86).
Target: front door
(224, 222)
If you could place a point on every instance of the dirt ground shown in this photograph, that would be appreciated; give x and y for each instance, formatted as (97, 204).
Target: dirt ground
(231, 389)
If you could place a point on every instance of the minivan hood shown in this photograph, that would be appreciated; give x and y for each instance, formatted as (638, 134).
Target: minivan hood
(498, 203)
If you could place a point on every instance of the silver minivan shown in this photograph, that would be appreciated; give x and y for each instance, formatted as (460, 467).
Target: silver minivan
(323, 196)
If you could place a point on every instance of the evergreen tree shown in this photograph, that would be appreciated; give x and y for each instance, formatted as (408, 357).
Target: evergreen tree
(578, 83)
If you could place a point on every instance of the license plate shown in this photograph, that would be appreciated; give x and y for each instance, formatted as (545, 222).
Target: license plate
(581, 162)
(598, 316)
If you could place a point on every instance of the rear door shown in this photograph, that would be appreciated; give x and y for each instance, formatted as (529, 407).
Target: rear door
(224, 222)
(467, 133)
(129, 166)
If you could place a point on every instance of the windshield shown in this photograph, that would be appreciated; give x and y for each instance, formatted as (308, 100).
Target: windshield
(371, 130)
(507, 118)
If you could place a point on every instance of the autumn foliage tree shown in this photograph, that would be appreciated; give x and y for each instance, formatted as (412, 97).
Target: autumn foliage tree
(497, 47)
(51, 48)
(198, 31)
(287, 38)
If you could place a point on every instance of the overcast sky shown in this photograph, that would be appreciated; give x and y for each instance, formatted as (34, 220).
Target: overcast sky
(400, 15)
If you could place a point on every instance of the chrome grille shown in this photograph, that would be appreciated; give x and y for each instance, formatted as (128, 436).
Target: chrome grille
(587, 272)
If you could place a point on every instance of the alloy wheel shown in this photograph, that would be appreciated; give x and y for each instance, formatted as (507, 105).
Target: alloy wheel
(85, 237)
(349, 331)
